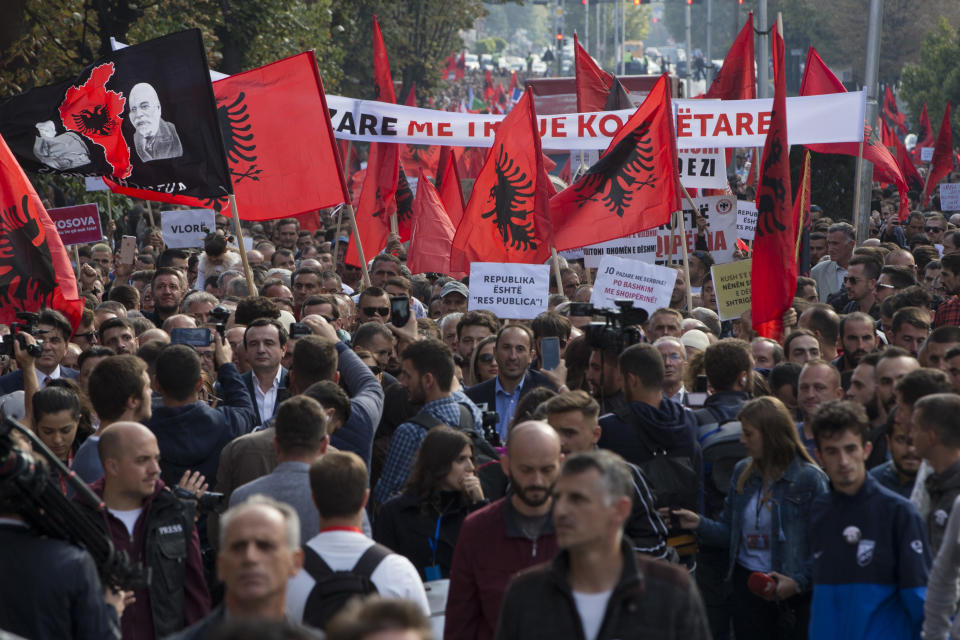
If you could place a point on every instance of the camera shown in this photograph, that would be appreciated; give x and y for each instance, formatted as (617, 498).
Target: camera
(219, 316)
(490, 420)
(619, 329)
(28, 325)
(209, 502)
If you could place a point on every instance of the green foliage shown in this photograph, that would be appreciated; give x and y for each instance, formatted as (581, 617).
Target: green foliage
(935, 78)
(490, 45)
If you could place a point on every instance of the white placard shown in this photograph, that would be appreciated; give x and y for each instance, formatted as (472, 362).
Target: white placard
(950, 196)
(746, 219)
(926, 154)
(721, 234)
(95, 183)
(648, 286)
(186, 229)
(509, 290)
(702, 168)
(639, 246)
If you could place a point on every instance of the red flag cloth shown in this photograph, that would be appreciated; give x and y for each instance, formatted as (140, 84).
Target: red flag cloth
(488, 87)
(513, 82)
(891, 112)
(593, 83)
(378, 196)
(887, 135)
(566, 172)
(470, 161)
(433, 232)
(752, 174)
(924, 135)
(450, 72)
(818, 80)
(419, 157)
(448, 184)
(737, 79)
(634, 185)
(412, 96)
(942, 163)
(404, 201)
(801, 216)
(35, 269)
(508, 216)
(461, 65)
(774, 270)
(908, 170)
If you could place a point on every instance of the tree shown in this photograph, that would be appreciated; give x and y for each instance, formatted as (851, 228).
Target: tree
(935, 78)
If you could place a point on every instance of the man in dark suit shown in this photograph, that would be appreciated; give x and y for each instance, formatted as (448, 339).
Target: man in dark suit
(513, 351)
(265, 343)
(54, 330)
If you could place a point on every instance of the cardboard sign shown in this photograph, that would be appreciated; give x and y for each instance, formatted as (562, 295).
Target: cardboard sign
(721, 236)
(702, 168)
(95, 183)
(186, 229)
(648, 286)
(731, 282)
(950, 196)
(509, 290)
(639, 246)
(746, 219)
(926, 154)
(77, 225)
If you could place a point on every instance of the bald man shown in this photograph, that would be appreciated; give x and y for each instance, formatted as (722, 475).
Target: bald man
(512, 534)
(155, 138)
(147, 521)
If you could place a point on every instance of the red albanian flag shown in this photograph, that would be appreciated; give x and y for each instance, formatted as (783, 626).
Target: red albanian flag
(593, 83)
(448, 185)
(942, 163)
(488, 90)
(508, 216)
(737, 79)
(433, 233)
(819, 80)
(774, 271)
(634, 185)
(924, 134)
(35, 270)
(378, 196)
(909, 171)
(461, 65)
(891, 112)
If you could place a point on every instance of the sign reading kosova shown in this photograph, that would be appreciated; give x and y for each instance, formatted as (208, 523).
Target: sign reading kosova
(510, 290)
(185, 229)
(77, 225)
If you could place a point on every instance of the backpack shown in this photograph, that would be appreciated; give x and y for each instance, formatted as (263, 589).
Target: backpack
(720, 443)
(333, 589)
(673, 479)
(482, 449)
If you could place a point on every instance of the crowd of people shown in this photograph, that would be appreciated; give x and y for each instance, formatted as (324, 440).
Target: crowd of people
(325, 455)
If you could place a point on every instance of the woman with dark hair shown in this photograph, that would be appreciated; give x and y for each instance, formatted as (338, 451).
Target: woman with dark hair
(764, 524)
(423, 522)
(60, 419)
(483, 365)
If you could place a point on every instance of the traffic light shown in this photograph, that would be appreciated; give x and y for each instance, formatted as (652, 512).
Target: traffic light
(559, 37)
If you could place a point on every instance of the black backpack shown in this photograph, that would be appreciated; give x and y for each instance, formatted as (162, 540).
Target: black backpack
(482, 449)
(722, 450)
(333, 589)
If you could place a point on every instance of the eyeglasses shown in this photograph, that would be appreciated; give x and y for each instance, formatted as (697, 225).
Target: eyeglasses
(852, 280)
(379, 311)
(881, 285)
(933, 229)
(485, 358)
(89, 335)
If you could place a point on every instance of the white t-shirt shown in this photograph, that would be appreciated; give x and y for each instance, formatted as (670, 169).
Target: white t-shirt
(394, 577)
(754, 551)
(591, 607)
(128, 518)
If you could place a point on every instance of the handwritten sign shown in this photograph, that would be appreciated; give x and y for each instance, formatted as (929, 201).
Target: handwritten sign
(702, 168)
(746, 219)
(648, 286)
(950, 196)
(731, 282)
(77, 225)
(926, 154)
(185, 229)
(509, 290)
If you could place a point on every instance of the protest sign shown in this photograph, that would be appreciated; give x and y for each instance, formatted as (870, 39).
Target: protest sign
(648, 286)
(926, 154)
(77, 225)
(95, 183)
(746, 219)
(950, 196)
(186, 229)
(720, 213)
(510, 290)
(702, 168)
(639, 246)
(731, 282)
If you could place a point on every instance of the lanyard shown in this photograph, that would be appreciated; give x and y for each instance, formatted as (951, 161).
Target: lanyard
(434, 542)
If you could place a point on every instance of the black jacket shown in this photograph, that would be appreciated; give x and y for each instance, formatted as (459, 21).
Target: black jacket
(653, 599)
(50, 589)
(282, 393)
(403, 526)
(486, 392)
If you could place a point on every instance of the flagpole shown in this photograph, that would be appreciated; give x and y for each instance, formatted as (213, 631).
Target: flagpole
(248, 272)
(555, 259)
(150, 212)
(803, 198)
(356, 238)
(683, 246)
(856, 197)
(336, 237)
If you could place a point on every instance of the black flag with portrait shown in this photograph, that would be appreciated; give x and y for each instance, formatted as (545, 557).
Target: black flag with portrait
(144, 116)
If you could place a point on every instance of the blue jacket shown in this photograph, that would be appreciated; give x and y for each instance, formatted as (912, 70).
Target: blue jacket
(873, 583)
(792, 495)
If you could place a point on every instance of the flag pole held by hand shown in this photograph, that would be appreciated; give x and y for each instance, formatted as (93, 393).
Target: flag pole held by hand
(356, 238)
(243, 250)
(555, 259)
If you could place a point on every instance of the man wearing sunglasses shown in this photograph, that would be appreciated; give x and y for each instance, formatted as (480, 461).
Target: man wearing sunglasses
(934, 227)
(861, 285)
(373, 305)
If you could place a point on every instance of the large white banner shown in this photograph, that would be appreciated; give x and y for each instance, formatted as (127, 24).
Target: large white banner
(835, 117)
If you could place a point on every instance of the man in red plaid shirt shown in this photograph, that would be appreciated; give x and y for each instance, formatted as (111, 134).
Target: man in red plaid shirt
(948, 313)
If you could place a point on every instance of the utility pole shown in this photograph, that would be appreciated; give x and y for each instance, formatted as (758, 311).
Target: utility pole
(586, 25)
(686, 17)
(709, 52)
(763, 51)
(875, 29)
(623, 36)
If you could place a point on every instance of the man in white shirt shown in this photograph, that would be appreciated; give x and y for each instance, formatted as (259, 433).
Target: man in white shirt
(830, 274)
(264, 344)
(341, 542)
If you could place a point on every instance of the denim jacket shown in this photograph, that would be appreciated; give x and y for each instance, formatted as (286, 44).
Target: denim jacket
(792, 494)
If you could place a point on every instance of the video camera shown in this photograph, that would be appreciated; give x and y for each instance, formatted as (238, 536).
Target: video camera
(25, 488)
(219, 316)
(618, 330)
(28, 325)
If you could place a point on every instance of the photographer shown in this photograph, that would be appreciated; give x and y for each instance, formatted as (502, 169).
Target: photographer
(147, 521)
(53, 330)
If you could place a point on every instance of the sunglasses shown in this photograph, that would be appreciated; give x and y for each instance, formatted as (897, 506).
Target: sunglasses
(90, 335)
(851, 280)
(383, 312)
(485, 358)
(880, 285)
(933, 229)
(376, 370)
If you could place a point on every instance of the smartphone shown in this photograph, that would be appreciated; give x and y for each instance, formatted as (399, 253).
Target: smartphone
(399, 311)
(550, 352)
(192, 337)
(299, 329)
(128, 249)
